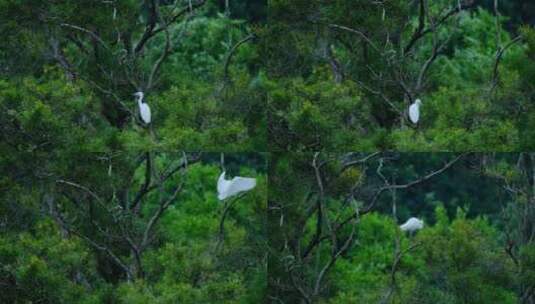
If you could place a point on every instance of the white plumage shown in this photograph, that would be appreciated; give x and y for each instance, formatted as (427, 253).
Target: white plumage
(144, 109)
(414, 111)
(412, 225)
(227, 188)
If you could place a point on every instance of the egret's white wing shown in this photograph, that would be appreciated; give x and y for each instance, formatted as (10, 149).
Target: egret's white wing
(408, 224)
(144, 110)
(404, 227)
(222, 184)
(412, 224)
(240, 184)
(414, 113)
(149, 115)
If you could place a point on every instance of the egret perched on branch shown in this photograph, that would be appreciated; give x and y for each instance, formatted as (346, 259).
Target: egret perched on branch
(414, 111)
(144, 109)
(412, 224)
(227, 188)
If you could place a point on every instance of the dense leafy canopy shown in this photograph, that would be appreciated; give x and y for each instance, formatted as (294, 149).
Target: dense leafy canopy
(334, 238)
(65, 242)
(97, 206)
(199, 80)
(350, 69)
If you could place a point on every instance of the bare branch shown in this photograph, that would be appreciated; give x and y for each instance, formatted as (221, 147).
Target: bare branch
(359, 161)
(412, 183)
(415, 182)
(437, 49)
(226, 209)
(87, 190)
(157, 215)
(361, 34)
(149, 28)
(183, 164)
(304, 295)
(151, 32)
(145, 186)
(231, 53)
(319, 207)
(60, 57)
(420, 33)
(398, 255)
(158, 63)
(499, 55)
(336, 254)
(94, 244)
(105, 249)
(92, 34)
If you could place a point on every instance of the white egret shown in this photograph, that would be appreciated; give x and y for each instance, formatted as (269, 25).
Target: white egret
(414, 111)
(412, 224)
(227, 188)
(144, 109)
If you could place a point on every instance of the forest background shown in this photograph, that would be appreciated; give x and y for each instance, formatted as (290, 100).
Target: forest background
(98, 207)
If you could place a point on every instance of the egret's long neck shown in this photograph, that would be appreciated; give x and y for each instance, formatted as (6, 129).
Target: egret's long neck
(222, 177)
(139, 100)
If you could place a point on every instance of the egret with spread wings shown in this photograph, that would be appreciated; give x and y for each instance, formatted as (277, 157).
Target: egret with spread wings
(227, 188)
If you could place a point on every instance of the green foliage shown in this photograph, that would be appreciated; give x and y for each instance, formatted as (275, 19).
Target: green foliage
(202, 93)
(182, 264)
(467, 105)
(46, 267)
(457, 262)
(88, 212)
(474, 245)
(46, 115)
(527, 260)
(186, 268)
(458, 115)
(311, 114)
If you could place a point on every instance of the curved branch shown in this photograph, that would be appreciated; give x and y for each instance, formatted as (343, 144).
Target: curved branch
(158, 63)
(231, 53)
(226, 209)
(151, 32)
(144, 188)
(420, 33)
(361, 34)
(156, 217)
(75, 185)
(415, 182)
(319, 207)
(92, 34)
(499, 55)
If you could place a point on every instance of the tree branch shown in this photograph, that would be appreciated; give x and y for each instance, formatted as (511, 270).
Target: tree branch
(58, 54)
(92, 34)
(499, 55)
(361, 34)
(145, 186)
(151, 32)
(158, 63)
(157, 215)
(221, 233)
(319, 208)
(96, 245)
(87, 190)
(231, 53)
(420, 33)
(381, 190)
